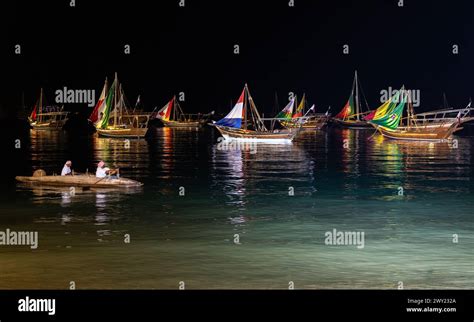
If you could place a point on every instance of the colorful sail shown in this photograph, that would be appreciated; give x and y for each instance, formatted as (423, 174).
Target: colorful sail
(287, 112)
(390, 117)
(347, 110)
(104, 121)
(385, 108)
(38, 106)
(299, 109)
(99, 107)
(165, 112)
(33, 114)
(234, 118)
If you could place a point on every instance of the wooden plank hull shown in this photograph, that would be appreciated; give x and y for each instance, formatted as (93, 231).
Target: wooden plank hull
(49, 126)
(313, 124)
(131, 133)
(82, 180)
(187, 124)
(353, 124)
(425, 133)
(283, 136)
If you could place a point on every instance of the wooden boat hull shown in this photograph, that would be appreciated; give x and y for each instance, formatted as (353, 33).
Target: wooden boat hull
(130, 133)
(284, 136)
(353, 124)
(83, 180)
(188, 124)
(425, 133)
(49, 126)
(311, 124)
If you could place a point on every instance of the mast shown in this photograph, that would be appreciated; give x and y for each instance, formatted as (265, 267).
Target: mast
(40, 107)
(357, 96)
(178, 111)
(245, 105)
(121, 104)
(115, 100)
(275, 110)
(408, 109)
(445, 101)
(412, 110)
(304, 102)
(295, 106)
(174, 108)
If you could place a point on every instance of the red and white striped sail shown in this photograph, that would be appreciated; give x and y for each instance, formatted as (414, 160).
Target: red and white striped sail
(99, 108)
(165, 112)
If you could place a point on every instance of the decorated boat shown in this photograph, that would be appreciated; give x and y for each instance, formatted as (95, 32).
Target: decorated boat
(112, 118)
(443, 117)
(243, 123)
(351, 115)
(44, 117)
(387, 119)
(77, 180)
(309, 121)
(172, 115)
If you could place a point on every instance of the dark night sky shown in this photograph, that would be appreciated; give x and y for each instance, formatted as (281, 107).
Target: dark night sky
(282, 49)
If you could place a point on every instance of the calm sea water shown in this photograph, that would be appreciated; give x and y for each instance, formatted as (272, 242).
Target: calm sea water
(342, 179)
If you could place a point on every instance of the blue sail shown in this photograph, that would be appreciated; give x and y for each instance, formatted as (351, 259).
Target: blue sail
(234, 118)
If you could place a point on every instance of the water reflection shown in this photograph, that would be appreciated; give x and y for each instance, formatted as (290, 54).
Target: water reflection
(421, 166)
(238, 192)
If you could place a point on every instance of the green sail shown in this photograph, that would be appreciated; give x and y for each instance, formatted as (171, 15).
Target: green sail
(108, 106)
(392, 118)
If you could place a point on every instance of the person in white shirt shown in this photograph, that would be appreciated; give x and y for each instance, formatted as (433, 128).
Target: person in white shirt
(67, 169)
(103, 171)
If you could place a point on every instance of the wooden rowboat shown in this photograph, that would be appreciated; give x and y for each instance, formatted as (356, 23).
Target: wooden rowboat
(80, 180)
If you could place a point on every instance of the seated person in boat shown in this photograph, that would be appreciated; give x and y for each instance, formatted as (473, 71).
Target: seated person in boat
(67, 169)
(103, 171)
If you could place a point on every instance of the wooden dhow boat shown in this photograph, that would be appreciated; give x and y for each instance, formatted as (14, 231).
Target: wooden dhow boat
(351, 115)
(387, 119)
(444, 117)
(77, 180)
(309, 121)
(243, 123)
(113, 119)
(44, 117)
(172, 115)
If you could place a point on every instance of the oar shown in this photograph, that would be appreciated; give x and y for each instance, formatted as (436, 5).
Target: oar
(100, 180)
(370, 138)
(118, 172)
